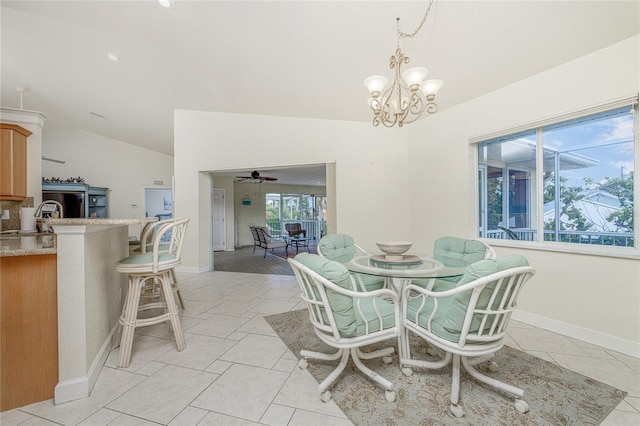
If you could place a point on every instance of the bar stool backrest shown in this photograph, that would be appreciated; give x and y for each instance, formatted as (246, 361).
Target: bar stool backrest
(177, 229)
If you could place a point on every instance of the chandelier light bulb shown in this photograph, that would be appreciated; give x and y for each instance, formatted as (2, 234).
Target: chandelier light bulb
(415, 76)
(376, 84)
(430, 88)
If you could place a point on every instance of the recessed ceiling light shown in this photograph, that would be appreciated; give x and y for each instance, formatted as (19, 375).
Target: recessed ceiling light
(165, 3)
(112, 56)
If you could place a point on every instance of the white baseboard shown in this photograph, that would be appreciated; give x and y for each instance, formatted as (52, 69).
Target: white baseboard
(614, 343)
(81, 387)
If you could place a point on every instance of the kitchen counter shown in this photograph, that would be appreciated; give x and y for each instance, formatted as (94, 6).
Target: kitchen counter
(27, 244)
(98, 221)
(90, 295)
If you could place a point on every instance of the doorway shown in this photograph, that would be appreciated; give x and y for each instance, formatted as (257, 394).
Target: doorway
(158, 202)
(218, 224)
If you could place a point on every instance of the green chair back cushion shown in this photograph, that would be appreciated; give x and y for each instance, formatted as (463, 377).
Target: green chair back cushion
(344, 307)
(341, 305)
(141, 259)
(449, 318)
(453, 251)
(460, 302)
(338, 247)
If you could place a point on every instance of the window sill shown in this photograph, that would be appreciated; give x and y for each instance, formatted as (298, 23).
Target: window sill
(583, 249)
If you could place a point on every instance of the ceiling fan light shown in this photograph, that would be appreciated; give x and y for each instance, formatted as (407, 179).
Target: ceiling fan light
(375, 84)
(414, 77)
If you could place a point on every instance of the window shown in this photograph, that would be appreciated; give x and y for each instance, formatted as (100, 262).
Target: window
(306, 209)
(568, 181)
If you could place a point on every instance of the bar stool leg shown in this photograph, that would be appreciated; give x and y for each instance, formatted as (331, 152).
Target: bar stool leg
(128, 319)
(174, 282)
(172, 309)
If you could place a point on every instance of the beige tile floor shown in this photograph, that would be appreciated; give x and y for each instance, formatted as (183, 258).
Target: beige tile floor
(235, 370)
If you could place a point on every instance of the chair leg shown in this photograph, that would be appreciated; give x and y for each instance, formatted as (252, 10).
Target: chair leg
(128, 320)
(357, 355)
(516, 392)
(172, 310)
(174, 285)
(455, 387)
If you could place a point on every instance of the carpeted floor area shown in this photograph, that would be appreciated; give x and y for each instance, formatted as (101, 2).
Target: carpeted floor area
(555, 395)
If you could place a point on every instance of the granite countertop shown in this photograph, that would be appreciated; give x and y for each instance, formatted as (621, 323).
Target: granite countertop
(98, 221)
(16, 243)
(25, 244)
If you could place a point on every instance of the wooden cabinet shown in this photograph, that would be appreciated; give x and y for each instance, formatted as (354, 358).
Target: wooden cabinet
(13, 162)
(29, 329)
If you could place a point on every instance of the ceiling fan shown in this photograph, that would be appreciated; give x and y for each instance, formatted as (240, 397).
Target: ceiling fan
(255, 177)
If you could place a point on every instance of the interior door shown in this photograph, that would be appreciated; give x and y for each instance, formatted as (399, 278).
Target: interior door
(218, 221)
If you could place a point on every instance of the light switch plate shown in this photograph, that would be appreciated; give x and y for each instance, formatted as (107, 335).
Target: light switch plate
(5, 214)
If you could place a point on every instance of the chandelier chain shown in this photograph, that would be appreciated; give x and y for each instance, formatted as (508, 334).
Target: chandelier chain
(417, 30)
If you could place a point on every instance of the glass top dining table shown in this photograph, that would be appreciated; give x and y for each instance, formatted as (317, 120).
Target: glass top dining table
(409, 267)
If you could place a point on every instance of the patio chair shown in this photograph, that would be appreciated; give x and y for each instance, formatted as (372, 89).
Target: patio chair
(342, 248)
(262, 239)
(345, 318)
(467, 323)
(295, 230)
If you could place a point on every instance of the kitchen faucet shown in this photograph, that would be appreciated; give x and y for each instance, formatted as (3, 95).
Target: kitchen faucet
(45, 227)
(39, 209)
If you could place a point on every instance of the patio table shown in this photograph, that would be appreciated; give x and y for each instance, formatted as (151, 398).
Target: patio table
(297, 243)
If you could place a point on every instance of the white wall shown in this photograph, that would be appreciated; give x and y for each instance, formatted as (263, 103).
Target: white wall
(372, 194)
(599, 294)
(415, 184)
(123, 168)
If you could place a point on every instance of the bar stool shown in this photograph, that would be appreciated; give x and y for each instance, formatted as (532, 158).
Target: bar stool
(146, 244)
(152, 269)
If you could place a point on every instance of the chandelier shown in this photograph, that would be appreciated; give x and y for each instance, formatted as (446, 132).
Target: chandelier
(409, 95)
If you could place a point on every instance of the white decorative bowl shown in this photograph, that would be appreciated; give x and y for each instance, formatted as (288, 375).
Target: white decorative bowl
(393, 250)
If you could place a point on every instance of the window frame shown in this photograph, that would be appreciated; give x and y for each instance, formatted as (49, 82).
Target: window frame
(538, 242)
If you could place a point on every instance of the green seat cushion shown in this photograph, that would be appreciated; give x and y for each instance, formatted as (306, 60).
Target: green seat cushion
(453, 251)
(371, 282)
(338, 247)
(344, 307)
(141, 259)
(438, 321)
(386, 310)
(440, 284)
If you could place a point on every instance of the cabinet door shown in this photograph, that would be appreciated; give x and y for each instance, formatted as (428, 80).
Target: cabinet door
(13, 170)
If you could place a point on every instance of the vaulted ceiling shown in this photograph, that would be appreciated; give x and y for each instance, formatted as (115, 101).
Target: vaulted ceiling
(289, 58)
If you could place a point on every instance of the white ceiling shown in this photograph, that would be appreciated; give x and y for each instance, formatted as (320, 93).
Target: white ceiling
(291, 58)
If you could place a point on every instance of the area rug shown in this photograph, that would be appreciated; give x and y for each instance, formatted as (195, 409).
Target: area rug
(556, 396)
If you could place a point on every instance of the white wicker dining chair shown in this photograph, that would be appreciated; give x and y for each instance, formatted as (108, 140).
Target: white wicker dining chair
(342, 248)
(345, 318)
(467, 323)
